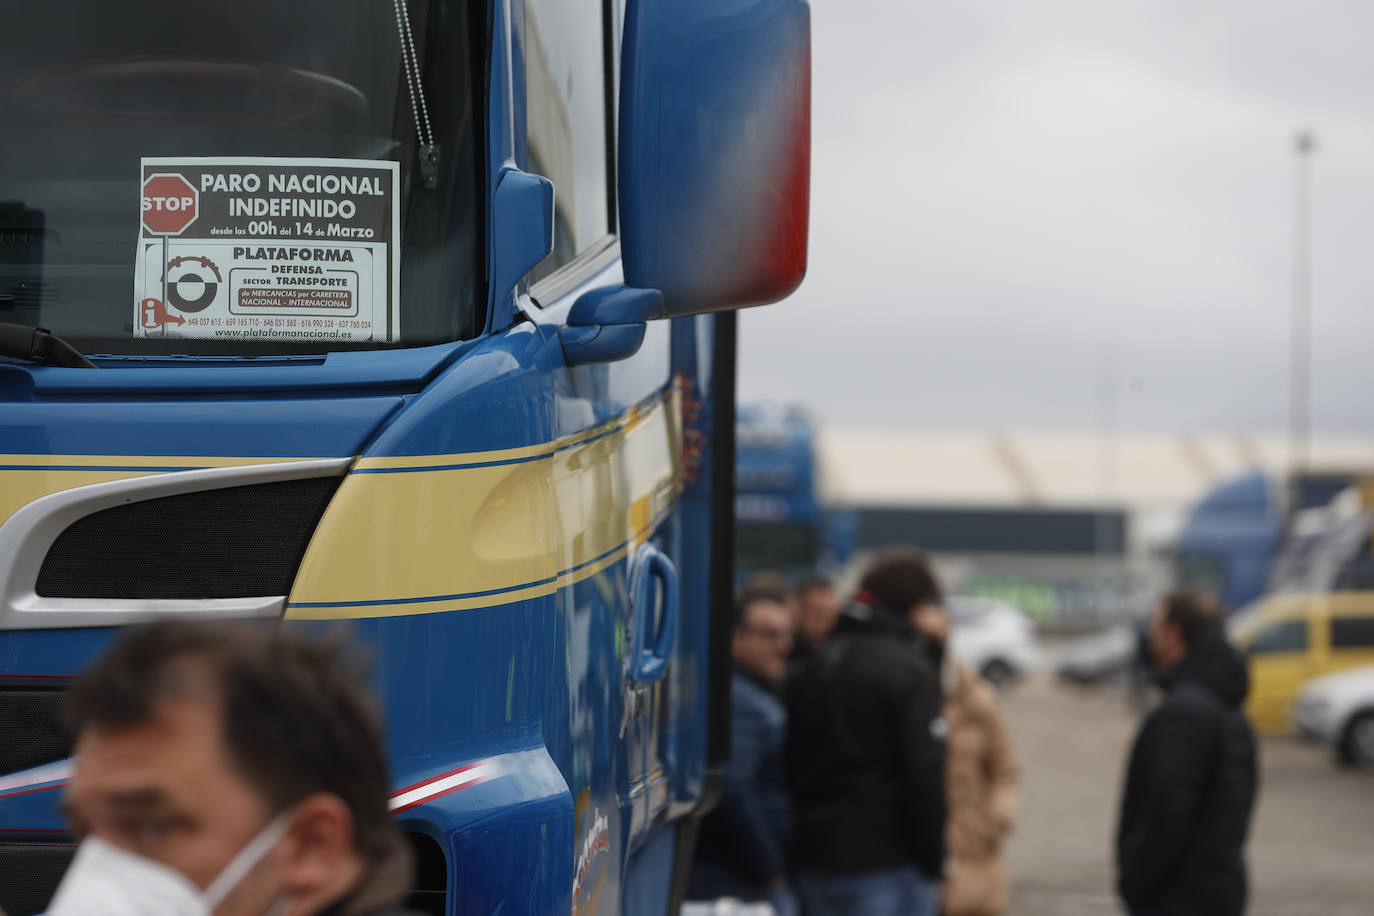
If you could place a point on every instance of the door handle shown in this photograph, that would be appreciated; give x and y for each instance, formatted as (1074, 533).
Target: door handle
(648, 664)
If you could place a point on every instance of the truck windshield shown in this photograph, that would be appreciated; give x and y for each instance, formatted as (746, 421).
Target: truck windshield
(236, 178)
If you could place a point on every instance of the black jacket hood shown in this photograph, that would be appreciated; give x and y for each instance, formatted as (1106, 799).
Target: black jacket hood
(1216, 665)
(872, 616)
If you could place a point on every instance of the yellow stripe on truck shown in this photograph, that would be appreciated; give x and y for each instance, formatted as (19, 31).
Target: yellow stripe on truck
(421, 537)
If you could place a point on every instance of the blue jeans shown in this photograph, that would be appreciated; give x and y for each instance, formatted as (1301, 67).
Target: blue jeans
(889, 892)
(784, 900)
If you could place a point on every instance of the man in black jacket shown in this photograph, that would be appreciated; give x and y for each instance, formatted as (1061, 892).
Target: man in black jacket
(1190, 786)
(866, 754)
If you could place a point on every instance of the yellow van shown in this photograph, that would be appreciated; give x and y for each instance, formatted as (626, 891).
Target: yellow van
(1294, 638)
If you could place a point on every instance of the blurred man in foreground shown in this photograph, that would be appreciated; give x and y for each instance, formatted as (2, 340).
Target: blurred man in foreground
(1190, 786)
(866, 754)
(228, 769)
(982, 780)
(743, 848)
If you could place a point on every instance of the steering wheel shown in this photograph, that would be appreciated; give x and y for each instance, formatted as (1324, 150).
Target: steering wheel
(222, 93)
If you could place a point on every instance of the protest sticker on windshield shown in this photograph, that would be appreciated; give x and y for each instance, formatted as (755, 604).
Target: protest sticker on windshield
(268, 249)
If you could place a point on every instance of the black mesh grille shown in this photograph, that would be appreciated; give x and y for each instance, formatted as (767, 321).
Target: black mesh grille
(236, 542)
(30, 729)
(29, 874)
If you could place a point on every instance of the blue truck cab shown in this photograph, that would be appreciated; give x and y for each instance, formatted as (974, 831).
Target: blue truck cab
(777, 514)
(414, 318)
(1230, 538)
(782, 524)
(1252, 533)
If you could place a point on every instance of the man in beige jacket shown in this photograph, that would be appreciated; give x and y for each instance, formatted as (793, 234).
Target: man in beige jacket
(982, 783)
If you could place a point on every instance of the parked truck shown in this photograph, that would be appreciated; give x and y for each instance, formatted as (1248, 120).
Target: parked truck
(1250, 529)
(782, 522)
(415, 316)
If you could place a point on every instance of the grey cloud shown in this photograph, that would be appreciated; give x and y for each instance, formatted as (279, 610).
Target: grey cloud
(1005, 192)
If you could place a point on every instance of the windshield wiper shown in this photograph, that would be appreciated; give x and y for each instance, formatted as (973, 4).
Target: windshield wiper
(39, 345)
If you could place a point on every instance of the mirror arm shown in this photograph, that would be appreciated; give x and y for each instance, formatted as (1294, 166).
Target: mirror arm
(618, 304)
(610, 343)
(608, 323)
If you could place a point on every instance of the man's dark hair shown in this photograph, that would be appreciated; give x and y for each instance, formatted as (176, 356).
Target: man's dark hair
(901, 578)
(766, 586)
(813, 583)
(745, 601)
(1195, 613)
(295, 719)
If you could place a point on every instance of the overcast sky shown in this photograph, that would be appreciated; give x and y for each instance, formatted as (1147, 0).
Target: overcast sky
(1045, 213)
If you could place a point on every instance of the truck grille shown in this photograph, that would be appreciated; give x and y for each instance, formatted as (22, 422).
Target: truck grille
(30, 873)
(233, 542)
(31, 731)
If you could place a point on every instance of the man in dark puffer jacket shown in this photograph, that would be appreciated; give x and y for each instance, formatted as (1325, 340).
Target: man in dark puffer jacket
(1191, 783)
(866, 753)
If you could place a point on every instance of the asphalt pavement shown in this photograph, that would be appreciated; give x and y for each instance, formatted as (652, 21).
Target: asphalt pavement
(1311, 849)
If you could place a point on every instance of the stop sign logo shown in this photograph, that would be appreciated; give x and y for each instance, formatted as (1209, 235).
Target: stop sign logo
(170, 204)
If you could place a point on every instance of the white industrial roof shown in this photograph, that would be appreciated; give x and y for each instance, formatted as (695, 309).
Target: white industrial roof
(1062, 469)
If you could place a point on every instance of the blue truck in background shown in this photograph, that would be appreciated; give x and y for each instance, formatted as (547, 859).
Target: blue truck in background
(1245, 531)
(416, 316)
(1230, 537)
(782, 524)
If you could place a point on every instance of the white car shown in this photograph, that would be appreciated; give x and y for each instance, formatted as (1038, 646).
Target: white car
(993, 638)
(1338, 710)
(1099, 657)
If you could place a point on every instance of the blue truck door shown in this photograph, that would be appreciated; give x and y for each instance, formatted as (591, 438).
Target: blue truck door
(711, 169)
(620, 623)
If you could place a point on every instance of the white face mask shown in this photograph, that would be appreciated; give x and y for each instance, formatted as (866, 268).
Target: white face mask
(104, 880)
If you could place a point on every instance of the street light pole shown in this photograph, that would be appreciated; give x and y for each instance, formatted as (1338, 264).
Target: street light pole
(1300, 419)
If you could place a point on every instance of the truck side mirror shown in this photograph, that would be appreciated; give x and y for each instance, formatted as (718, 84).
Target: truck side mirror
(715, 150)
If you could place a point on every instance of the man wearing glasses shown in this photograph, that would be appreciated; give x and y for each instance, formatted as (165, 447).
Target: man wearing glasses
(743, 848)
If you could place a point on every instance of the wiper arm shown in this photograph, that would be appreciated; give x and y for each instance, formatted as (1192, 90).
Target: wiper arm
(39, 345)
